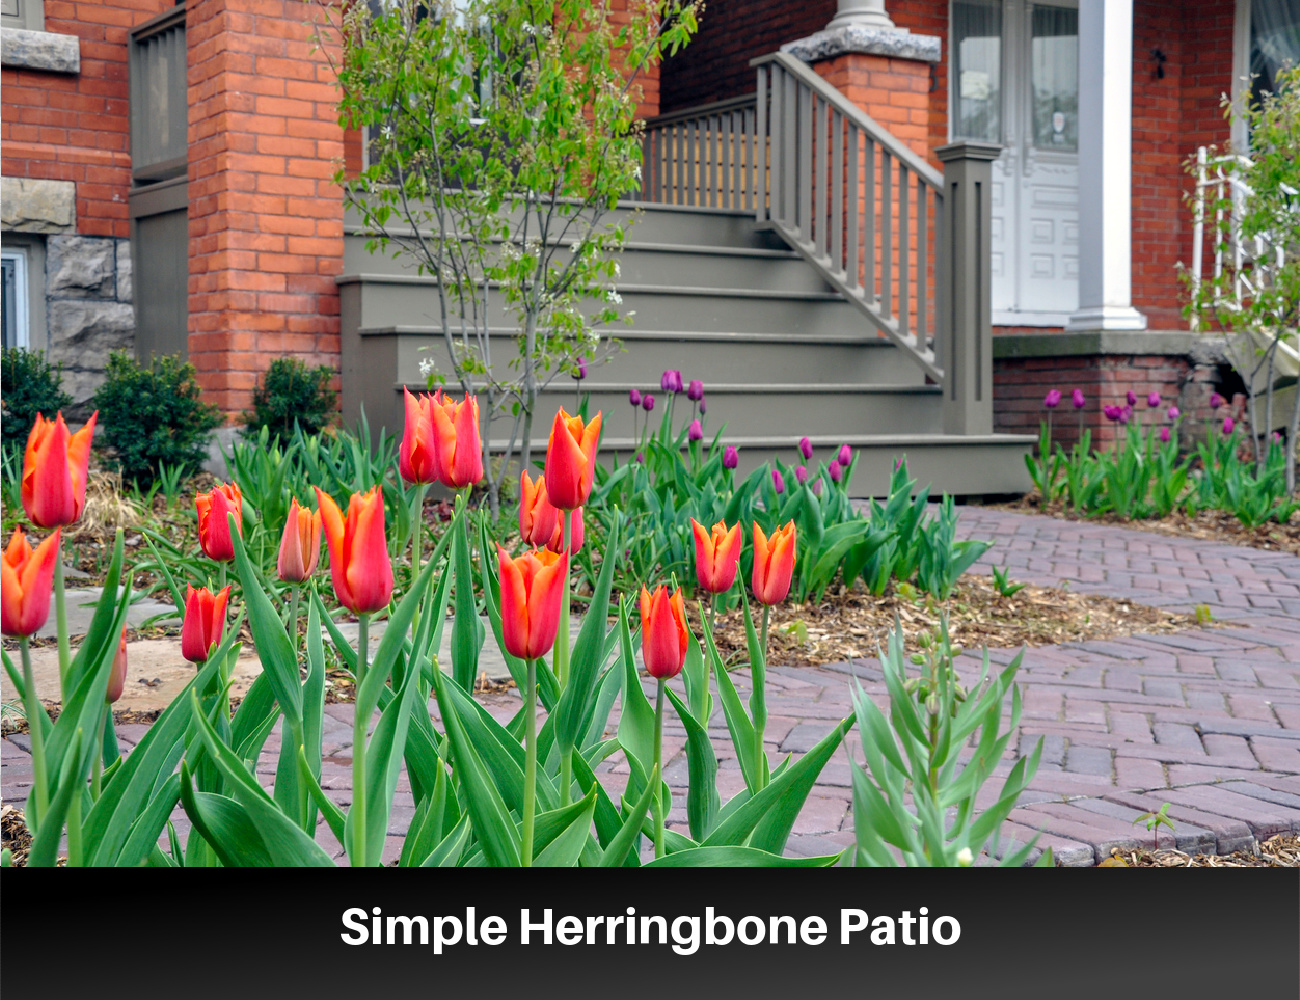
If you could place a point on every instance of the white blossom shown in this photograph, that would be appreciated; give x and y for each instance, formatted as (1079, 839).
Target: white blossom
(964, 857)
(636, 172)
(613, 296)
(427, 367)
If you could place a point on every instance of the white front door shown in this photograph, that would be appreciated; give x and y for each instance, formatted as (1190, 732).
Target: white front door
(1016, 82)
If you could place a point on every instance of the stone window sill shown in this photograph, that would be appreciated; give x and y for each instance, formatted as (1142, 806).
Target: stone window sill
(40, 50)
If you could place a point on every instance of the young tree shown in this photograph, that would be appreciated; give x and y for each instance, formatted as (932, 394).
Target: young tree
(501, 135)
(1252, 203)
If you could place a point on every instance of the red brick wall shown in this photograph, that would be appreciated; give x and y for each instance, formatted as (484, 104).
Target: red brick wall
(1019, 385)
(266, 223)
(64, 127)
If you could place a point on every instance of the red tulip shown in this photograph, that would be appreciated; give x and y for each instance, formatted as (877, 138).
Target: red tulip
(27, 582)
(664, 636)
(532, 589)
(214, 529)
(457, 446)
(537, 518)
(54, 471)
(717, 556)
(299, 545)
(117, 677)
(417, 459)
(773, 564)
(571, 460)
(359, 566)
(205, 622)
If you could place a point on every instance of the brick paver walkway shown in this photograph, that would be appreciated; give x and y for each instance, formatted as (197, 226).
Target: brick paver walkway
(1207, 720)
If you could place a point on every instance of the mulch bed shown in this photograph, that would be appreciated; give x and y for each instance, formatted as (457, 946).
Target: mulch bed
(1282, 851)
(1209, 525)
(849, 625)
(124, 717)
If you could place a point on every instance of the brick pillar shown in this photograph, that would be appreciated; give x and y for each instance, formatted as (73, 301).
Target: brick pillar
(265, 220)
(894, 92)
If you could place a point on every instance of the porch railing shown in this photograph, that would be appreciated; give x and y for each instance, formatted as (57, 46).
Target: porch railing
(704, 156)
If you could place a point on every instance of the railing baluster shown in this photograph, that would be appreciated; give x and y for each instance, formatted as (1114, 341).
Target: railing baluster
(922, 263)
(886, 232)
(724, 159)
(869, 220)
(714, 124)
(805, 162)
(789, 143)
(904, 247)
(837, 192)
(692, 128)
(855, 198)
(734, 124)
(823, 138)
(771, 115)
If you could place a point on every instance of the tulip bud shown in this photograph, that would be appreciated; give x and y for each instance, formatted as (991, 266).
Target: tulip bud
(640, 457)
(837, 471)
(817, 487)
(634, 397)
(204, 622)
(55, 463)
(730, 457)
(695, 432)
(664, 635)
(299, 545)
(801, 474)
(117, 676)
(1131, 396)
(417, 459)
(1153, 400)
(26, 577)
(571, 460)
(695, 391)
(580, 371)
(1112, 413)
(214, 528)
(704, 408)
(773, 564)
(1053, 399)
(1228, 425)
(647, 402)
(1173, 413)
(359, 565)
(805, 447)
(778, 482)
(717, 556)
(965, 858)
(457, 441)
(1125, 414)
(1079, 399)
(1216, 401)
(532, 587)
(1164, 435)
(845, 456)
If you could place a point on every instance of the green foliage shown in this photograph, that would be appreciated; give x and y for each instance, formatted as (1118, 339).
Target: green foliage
(292, 394)
(916, 794)
(1004, 586)
(153, 415)
(1154, 821)
(29, 385)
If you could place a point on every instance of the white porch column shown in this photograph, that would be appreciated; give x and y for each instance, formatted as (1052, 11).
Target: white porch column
(861, 14)
(1105, 168)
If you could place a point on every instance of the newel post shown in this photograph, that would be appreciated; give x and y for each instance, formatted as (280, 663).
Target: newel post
(965, 290)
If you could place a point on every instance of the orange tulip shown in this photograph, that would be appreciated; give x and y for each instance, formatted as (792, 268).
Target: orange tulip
(537, 518)
(117, 678)
(299, 545)
(54, 471)
(27, 583)
(204, 624)
(457, 446)
(532, 588)
(773, 564)
(717, 556)
(664, 636)
(417, 460)
(214, 529)
(571, 460)
(359, 566)
(556, 544)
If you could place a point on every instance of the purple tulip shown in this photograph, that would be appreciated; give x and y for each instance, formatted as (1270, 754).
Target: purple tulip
(817, 487)
(1053, 399)
(695, 391)
(1112, 413)
(1216, 401)
(1153, 400)
(634, 397)
(1132, 398)
(1228, 425)
(805, 447)
(640, 458)
(730, 457)
(1079, 399)
(671, 381)
(1164, 435)
(801, 474)
(1173, 413)
(696, 432)
(777, 481)
(581, 371)
(1126, 414)
(845, 456)
(1277, 437)
(703, 407)
(648, 402)
(837, 472)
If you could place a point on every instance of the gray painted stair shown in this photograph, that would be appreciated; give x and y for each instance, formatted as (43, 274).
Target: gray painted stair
(782, 354)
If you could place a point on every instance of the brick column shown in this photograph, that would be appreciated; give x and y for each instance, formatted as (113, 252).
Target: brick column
(265, 220)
